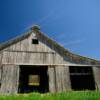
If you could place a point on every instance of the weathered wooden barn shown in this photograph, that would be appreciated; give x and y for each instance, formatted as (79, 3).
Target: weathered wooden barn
(34, 62)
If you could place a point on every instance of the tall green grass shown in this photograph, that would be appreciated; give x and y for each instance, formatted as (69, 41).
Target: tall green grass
(72, 95)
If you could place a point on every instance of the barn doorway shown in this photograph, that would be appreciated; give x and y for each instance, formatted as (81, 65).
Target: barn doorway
(82, 78)
(33, 79)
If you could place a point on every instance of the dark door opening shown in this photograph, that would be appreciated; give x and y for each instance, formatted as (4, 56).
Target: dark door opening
(82, 78)
(33, 79)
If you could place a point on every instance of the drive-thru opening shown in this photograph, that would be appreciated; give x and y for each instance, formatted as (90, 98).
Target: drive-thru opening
(81, 78)
(33, 79)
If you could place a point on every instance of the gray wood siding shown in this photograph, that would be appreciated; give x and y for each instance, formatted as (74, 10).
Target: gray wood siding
(62, 78)
(28, 58)
(52, 79)
(10, 78)
(24, 52)
(59, 79)
(26, 45)
(0, 66)
(96, 71)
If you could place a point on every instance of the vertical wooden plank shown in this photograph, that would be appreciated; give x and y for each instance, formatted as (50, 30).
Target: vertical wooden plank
(17, 70)
(0, 66)
(51, 74)
(96, 71)
(66, 79)
(62, 78)
(9, 80)
(59, 78)
(18, 46)
(0, 74)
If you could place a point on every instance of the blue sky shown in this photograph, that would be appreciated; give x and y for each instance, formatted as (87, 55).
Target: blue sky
(75, 24)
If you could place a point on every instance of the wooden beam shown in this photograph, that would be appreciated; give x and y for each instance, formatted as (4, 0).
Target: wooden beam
(28, 51)
(51, 64)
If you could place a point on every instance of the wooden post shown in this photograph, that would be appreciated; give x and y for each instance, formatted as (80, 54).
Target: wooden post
(51, 74)
(0, 67)
(0, 74)
(62, 78)
(59, 78)
(96, 71)
(9, 79)
(66, 79)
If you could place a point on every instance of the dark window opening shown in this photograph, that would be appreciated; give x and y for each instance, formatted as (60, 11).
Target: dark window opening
(82, 78)
(33, 79)
(35, 41)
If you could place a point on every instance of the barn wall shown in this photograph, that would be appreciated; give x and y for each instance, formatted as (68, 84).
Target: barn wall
(10, 79)
(24, 52)
(59, 79)
(21, 58)
(62, 78)
(26, 45)
(44, 46)
(96, 71)
(0, 66)
(52, 79)
(0, 74)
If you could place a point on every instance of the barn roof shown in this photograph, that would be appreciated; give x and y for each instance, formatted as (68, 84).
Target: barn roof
(73, 57)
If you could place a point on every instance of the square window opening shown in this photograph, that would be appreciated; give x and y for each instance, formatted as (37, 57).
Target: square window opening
(35, 41)
(34, 80)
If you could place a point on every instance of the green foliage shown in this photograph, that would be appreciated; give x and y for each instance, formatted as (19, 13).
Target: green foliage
(72, 95)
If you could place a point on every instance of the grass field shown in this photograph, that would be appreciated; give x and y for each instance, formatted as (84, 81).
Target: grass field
(72, 95)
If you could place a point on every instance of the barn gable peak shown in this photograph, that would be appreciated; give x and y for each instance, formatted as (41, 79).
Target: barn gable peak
(35, 30)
